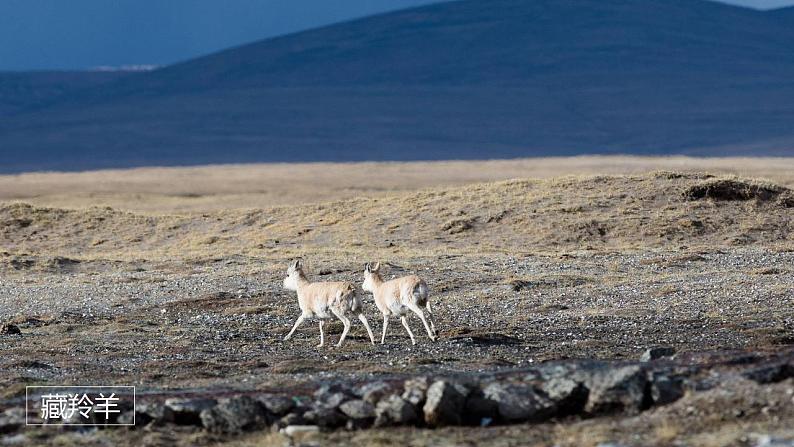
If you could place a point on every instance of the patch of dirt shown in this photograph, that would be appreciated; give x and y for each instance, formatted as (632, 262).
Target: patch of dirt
(732, 189)
(56, 264)
(468, 336)
(518, 285)
(787, 200)
(456, 226)
(674, 261)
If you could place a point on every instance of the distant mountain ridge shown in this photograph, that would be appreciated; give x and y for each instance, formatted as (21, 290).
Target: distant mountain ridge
(464, 79)
(785, 13)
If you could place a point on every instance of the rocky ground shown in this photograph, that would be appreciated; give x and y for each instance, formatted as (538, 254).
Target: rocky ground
(538, 345)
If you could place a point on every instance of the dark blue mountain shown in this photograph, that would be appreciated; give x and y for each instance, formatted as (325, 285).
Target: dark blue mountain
(465, 79)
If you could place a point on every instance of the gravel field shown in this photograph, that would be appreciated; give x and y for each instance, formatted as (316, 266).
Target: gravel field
(142, 321)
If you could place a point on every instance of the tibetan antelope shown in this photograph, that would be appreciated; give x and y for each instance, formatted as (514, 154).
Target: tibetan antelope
(398, 296)
(323, 299)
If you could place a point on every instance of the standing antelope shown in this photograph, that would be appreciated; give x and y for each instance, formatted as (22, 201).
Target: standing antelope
(397, 296)
(319, 298)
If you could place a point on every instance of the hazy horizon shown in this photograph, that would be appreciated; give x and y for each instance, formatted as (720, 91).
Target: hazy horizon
(52, 35)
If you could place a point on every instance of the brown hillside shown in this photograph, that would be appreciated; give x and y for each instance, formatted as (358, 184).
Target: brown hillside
(656, 210)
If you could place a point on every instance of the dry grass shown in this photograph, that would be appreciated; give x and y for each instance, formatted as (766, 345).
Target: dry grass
(212, 188)
(517, 216)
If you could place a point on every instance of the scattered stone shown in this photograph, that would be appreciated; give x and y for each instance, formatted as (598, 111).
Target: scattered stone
(616, 389)
(187, 411)
(519, 402)
(234, 415)
(445, 403)
(657, 353)
(394, 410)
(9, 329)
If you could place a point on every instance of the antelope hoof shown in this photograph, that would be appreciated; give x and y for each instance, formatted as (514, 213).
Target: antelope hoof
(287, 338)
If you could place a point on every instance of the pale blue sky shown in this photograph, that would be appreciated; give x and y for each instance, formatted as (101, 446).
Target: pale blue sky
(77, 34)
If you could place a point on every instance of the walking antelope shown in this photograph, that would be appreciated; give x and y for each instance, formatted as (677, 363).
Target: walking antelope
(397, 296)
(322, 299)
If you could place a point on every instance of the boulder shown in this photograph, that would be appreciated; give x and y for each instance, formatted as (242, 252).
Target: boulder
(772, 441)
(518, 403)
(287, 420)
(375, 391)
(301, 434)
(415, 390)
(127, 418)
(360, 413)
(358, 409)
(325, 417)
(332, 396)
(17, 439)
(656, 353)
(666, 389)
(445, 403)
(480, 410)
(234, 415)
(155, 412)
(615, 389)
(11, 420)
(276, 405)
(394, 410)
(187, 411)
(770, 373)
(569, 396)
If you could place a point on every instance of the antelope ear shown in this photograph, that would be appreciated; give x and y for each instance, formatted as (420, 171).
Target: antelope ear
(376, 267)
(294, 264)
